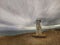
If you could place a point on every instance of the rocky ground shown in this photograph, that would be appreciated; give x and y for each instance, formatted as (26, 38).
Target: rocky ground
(52, 38)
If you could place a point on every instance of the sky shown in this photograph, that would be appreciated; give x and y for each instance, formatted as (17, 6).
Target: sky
(18, 14)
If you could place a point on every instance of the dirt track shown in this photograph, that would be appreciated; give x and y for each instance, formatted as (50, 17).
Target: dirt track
(53, 38)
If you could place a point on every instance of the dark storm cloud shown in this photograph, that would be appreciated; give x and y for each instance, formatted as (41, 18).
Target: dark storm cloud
(24, 12)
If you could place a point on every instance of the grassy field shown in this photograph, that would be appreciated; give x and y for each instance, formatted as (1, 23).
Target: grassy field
(53, 38)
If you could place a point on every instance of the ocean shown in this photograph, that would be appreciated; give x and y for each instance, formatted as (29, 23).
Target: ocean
(14, 32)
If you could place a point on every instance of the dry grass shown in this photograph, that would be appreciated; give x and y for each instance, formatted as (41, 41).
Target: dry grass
(53, 38)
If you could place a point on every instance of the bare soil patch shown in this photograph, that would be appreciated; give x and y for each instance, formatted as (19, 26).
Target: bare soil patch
(53, 38)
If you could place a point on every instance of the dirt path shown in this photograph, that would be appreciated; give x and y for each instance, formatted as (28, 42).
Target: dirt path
(53, 38)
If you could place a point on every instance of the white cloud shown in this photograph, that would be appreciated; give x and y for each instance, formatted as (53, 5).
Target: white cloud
(20, 13)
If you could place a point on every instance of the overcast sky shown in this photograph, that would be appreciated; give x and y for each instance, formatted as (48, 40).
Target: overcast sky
(21, 13)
